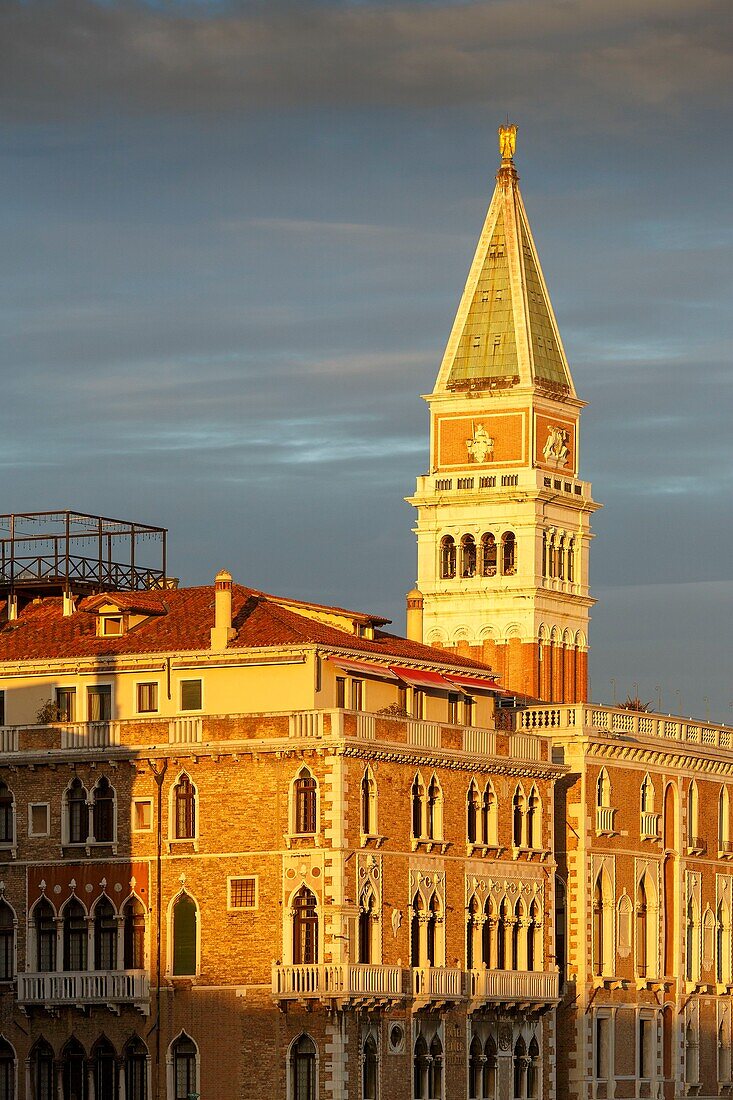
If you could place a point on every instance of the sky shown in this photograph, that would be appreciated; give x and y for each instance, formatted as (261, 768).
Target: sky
(233, 237)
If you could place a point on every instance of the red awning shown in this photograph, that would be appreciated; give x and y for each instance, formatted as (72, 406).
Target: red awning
(472, 683)
(361, 669)
(419, 678)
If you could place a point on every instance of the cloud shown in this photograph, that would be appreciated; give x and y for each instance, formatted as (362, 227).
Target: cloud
(579, 56)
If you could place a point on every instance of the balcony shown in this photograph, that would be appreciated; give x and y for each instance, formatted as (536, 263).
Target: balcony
(604, 820)
(437, 985)
(649, 825)
(512, 986)
(78, 988)
(90, 735)
(593, 719)
(357, 983)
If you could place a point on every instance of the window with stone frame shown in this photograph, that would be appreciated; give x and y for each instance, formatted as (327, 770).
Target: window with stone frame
(44, 920)
(42, 1071)
(305, 927)
(185, 936)
(103, 812)
(7, 945)
(74, 938)
(135, 1063)
(7, 816)
(133, 934)
(7, 1071)
(184, 809)
(77, 813)
(185, 1075)
(303, 1069)
(305, 803)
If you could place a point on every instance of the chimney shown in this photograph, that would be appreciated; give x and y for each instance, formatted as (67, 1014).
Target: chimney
(222, 630)
(414, 615)
(12, 608)
(69, 607)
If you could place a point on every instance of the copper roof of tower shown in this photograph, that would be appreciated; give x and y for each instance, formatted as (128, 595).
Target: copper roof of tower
(505, 333)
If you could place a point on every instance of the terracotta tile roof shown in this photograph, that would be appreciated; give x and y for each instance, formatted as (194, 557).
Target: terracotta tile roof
(145, 603)
(307, 605)
(42, 632)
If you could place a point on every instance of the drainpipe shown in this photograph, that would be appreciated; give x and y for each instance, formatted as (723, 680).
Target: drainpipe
(158, 775)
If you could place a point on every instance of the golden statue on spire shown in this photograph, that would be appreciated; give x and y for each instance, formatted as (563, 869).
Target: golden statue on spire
(507, 141)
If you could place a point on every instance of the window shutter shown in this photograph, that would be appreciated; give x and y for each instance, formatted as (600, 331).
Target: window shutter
(184, 936)
(190, 695)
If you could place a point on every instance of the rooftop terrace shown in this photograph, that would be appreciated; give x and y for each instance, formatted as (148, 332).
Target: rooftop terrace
(63, 551)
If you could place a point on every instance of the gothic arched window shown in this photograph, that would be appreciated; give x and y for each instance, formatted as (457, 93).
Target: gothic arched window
(518, 809)
(42, 1076)
(533, 1076)
(428, 1068)
(303, 1069)
(103, 812)
(418, 807)
(490, 1069)
(723, 945)
(473, 819)
(77, 813)
(518, 921)
(489, 937)
(724, 820)
(44, 919)
(561, 928)
(136, 1069)
(476, 1069)
(368, 803)
(184, 809)
(104, 1062)
(647, 795)
(184, 1056)
(7, 1071)
(642, 917)
(369, 1069)
(534, 820)
(7, 823)
(305, 795)
(185, 935)
(420, 1068)
(693, 838)
(603, 922)
(534, 937)
(473, 925)
(105, 936)
(503, 940)
(416, 922)
(490, 815)
(305, 927)
(520, 1067)
(75, 936)
(74, 1071)
(434, 910)
(435, 810)
(133, 915)
(7, 945)
(367, 926)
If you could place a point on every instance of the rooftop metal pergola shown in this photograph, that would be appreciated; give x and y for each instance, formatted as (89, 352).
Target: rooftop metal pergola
(65, 551)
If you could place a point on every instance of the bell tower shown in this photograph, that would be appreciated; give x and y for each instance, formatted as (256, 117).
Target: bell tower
(503, 517)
